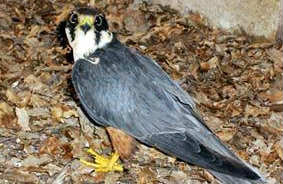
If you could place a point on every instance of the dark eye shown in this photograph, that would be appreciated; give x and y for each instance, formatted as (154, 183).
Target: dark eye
(74, 18)
(100, 23)
(98, 20)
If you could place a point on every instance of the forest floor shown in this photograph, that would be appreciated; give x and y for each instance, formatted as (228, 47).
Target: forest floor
(235, 79)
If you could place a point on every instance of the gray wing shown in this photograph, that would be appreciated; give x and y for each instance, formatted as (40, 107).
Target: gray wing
(131, 92)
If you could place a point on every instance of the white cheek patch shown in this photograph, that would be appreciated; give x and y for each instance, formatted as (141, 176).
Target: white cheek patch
(85, 44)
(105, 38)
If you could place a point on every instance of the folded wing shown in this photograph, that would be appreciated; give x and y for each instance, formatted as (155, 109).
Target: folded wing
(131, 92)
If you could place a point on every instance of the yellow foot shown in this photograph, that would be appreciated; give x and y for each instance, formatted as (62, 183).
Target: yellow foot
(103, 164)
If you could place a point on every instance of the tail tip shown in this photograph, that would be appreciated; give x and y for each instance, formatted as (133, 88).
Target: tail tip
(252, 175)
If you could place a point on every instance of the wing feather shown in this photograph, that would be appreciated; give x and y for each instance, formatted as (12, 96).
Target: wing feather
(129, 91)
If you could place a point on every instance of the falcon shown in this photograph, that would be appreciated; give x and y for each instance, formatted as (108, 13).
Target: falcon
(130, 95)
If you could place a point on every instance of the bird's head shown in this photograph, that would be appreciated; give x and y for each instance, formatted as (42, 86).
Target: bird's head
(87, 30)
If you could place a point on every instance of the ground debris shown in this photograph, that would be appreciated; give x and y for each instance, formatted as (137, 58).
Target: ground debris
(23, 119)
(235, 80)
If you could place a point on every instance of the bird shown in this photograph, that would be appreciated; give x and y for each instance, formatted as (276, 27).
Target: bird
(130, 95)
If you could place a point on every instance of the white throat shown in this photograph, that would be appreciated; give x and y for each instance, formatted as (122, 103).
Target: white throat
(85, 44)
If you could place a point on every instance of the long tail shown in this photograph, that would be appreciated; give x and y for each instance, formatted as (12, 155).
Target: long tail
(220, 161)
(228, 179)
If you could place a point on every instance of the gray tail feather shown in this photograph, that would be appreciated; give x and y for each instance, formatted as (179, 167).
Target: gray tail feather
(223, 164)
(228, 179)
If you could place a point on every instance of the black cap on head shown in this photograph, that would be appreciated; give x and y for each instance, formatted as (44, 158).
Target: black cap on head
(87, 11)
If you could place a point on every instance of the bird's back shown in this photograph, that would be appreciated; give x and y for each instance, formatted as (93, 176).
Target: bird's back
(131, 92)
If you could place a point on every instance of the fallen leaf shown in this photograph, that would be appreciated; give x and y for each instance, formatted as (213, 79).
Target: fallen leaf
(256, 111)
(34, 31)
(59, 179)
(111, 178)
(254, 160)
(5, 108)
(7, 117)
(279, 148)
(59, 112)
(12, 96)
(35, 84)
(23, 118)
(33, 161)
(226, 135)
(145, 176)
(17, 175)
(52, 169)
(275, 122)
(50, 146)
(275, 96)
(276, 56)
(212, 63)
(37, 101)
(209, 177)
(234, 108)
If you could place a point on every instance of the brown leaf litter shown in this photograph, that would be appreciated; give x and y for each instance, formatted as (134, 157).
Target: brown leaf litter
(236, 80)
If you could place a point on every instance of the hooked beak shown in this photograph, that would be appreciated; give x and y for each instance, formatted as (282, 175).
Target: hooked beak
(86, 23)
(85, 28)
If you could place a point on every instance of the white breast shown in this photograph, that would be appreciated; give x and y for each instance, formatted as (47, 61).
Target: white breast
(85, 44)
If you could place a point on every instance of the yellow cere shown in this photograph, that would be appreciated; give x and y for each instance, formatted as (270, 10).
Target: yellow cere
(86, 19)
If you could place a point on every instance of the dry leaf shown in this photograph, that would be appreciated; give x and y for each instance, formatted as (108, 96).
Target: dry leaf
(234, 79)
(37, 101)
(204, 66)
(256, 111)
(33, 161)
(213, 122)
(226, 135)
(5, 108)
(59, 112)
(50, 146)
(23, 118)
(145, 176)
(7, 117)
(234, 108)
(275, 96)
(12, 96)
(275, 122)
(279, 149)
(209, 177)
(35, 84)
(34, 31)
(212, 63)
(255, 160)
(20, 176)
